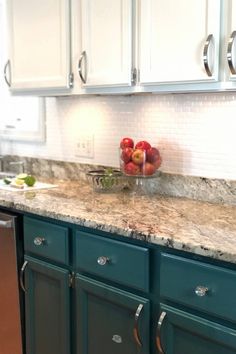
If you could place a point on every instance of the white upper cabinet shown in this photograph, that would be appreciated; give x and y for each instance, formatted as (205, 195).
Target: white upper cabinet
(178, 41)
(39, 45)
(229, 54)
(120, 46)
(106, 43)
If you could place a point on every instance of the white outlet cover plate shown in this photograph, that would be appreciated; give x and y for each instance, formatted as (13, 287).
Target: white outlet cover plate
(85, 146)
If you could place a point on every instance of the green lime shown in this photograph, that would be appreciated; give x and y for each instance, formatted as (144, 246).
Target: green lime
(30, 180)
(7, 180)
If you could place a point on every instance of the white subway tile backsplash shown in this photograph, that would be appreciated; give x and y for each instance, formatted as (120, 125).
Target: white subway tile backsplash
(195, 132)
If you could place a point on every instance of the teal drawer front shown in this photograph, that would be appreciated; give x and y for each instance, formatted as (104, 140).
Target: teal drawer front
(117, 261)
(46, 240)
(207, 288)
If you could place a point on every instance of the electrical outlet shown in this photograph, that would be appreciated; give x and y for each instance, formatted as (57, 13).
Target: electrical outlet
(84, 146)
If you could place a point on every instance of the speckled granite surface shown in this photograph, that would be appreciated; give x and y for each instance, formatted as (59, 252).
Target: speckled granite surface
(197, 188)
(184, 224)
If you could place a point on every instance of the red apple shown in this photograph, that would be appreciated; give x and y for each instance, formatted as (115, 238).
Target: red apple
(143, 145)
(152, 154)
(158, 162)
(131, 169)
(148, 169)
(126, 154)
(126, 142)
(138, 156)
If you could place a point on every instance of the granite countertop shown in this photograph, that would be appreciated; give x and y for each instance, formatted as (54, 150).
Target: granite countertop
(194, 226)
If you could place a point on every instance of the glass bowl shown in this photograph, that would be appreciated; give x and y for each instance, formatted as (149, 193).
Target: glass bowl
(139, 163)
(106, 180)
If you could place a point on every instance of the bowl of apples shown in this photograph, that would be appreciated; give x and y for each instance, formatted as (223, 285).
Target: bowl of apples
(139, 159)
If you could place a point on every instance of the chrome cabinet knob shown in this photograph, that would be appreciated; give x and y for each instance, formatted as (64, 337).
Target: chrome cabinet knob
(201, 290)
(39, 241)
(103, 260)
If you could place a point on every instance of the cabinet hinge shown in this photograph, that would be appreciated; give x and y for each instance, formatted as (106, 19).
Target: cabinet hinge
(134, 73)
(135, 76)
(71, 280)
(71, 80)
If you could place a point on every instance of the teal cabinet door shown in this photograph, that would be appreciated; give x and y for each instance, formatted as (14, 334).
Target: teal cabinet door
(110, 321)
(47, 308)
(180, 332)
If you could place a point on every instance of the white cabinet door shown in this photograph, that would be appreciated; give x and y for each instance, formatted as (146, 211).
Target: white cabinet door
(173, 35)
(230, 45)
(22, 118)
(39, 44)
(106, 42)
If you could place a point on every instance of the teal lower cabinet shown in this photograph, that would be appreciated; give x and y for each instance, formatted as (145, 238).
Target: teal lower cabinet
(77, 302)
(109, 320)
(180, 332)
(47, 308)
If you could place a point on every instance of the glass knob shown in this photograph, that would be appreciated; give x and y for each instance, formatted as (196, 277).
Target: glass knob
(38, 241)
(201, 290)
(117, 338)
(102, 260)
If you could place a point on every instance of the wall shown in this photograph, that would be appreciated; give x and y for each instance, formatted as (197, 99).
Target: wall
(194, 132)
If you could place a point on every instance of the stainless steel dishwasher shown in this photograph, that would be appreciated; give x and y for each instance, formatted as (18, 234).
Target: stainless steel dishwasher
(10, 320)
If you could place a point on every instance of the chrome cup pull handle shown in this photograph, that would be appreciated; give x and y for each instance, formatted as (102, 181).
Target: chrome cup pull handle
(7, 65)
(158, 337)
(136, 320)
(22, 271)
(201, 291)
(82, 57)
(230, 53)
(207, 44)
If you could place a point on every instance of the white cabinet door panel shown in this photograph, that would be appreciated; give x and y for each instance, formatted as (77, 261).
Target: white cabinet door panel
(106, 39)
(172, 38)
(39, 44)
(230, 47)
(22, 118)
